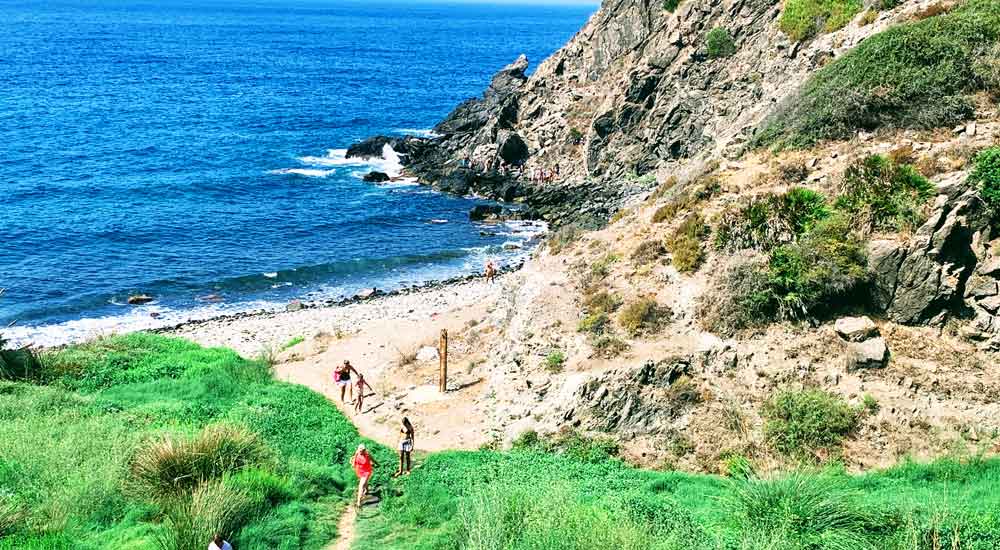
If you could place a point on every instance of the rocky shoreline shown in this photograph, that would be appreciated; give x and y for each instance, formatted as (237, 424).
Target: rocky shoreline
(264, 331)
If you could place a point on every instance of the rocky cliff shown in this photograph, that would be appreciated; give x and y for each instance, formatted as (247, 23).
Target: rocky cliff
(636, 92)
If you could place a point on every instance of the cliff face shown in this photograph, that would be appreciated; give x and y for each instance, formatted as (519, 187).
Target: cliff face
(635, 92)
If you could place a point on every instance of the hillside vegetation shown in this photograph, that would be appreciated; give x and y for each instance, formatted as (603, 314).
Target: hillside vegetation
(916, 75)
(143, 441)
(578, 497)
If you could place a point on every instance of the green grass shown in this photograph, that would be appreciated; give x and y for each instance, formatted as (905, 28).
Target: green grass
(532, 498)
(880, 194)
(800, 423)
(916, 75)
(69, 450)
(293, 342)
(803, 19)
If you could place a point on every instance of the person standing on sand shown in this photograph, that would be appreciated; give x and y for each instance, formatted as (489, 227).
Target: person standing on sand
(406, 442)
(490, 272)
(362, 463)
(342, 377)
(219, 543)
(361, 392)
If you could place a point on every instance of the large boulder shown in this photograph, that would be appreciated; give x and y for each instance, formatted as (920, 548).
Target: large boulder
(855, 329)
(498, 106)
(483, 212)
(513, 150)
(924, 280)
(872, 353)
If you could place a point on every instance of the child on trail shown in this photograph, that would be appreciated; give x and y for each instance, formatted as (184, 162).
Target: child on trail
(361, 392)
(342, 377)
(362, 463)
(406, 441)
(490, 271)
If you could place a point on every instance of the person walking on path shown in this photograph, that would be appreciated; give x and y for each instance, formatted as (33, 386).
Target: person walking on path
(362, 462)
(219, 543)
(406, 442)
(358, 403)
(342, 377)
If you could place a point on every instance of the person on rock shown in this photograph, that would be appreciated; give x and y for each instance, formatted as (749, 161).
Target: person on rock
(358, 403)
(362, 462)
(406, 442)
(342, 377)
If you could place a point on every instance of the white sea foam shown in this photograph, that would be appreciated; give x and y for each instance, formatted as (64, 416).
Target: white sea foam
(134, 319)
(271, 274)
(389, 163)
(419, 132)
(438, 221)
(311, 173)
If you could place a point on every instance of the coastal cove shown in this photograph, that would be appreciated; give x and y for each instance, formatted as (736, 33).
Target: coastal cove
(209, 170)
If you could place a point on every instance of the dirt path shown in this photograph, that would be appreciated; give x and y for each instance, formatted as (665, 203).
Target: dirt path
(345, 529)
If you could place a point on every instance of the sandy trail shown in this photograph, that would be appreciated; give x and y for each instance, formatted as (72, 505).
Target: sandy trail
(345, 529)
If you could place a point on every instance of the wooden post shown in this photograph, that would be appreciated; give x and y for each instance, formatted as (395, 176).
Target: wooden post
(443, 354)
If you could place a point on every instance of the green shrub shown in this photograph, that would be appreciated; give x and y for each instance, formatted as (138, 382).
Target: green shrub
(986, 174)
(602, 302)
(738, 466)
(554, 361)
(719, 43)
(870, 404)
(293, 342)
(987, 69)
(211, 508)
(644, 316)
(882, 195)
(686, 251)
(671, 5)
(799, 423)
(916, 75)
(802, 19)
(595, 323)
(804, 512)
(821, 273)
(765, 221)
(173, 465)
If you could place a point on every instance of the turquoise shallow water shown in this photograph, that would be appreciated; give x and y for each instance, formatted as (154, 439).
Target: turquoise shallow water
(183, 149)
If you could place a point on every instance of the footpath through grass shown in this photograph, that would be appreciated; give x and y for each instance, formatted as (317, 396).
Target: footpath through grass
(143, 441)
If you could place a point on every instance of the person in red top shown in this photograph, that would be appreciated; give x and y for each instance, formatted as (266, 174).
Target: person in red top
(362, 463)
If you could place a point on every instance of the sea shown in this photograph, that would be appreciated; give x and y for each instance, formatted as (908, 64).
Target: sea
(194, 151)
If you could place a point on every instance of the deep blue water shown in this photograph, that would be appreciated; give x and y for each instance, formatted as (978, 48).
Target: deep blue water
(186, 148)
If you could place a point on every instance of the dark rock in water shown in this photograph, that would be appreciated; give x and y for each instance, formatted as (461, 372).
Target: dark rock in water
(368, 293)
(376, 177)
(154, 315)
(210, 298)
(482, 212)
(294, 305)
(373, 146)
(139, 299)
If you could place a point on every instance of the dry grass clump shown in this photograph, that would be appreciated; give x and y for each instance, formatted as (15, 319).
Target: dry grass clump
(563, 238)
(685, 246)
(212, 508)
(644, 316)
(662, 190)
(602, 302)
(405, 358)
(175, 464)
(738, 297)
(11, 514)
(648, 251)
(609, 346)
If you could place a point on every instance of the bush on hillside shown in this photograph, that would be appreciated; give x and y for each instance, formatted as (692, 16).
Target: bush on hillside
(609, 346)
(174, 465)
(987, 68)
(563, 238)
(719, 43)
(882, 195)
(595, 323)
(917, 75)
(602, 302)
(799, 511)
(554, 361)
(671, 5)
(644, 316)
(684, 245)
(765, 221)
(820, 274)
(662, 189)
(648, 251)
(212, 508)
(986, 174)
(800, 423)
(803, 19)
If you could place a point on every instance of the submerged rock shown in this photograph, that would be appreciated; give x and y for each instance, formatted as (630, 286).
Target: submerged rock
(139, 299)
